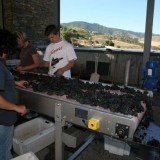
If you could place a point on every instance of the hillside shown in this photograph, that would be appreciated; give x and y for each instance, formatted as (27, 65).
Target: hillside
(93, 34)
(104, 30)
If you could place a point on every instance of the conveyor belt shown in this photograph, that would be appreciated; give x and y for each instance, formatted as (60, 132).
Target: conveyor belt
(95, 117)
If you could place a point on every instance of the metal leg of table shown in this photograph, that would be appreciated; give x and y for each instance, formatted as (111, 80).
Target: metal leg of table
(59, 123)
(87, 142)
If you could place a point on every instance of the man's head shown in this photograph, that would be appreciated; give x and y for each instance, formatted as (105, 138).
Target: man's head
(52, 32)
(8, 42)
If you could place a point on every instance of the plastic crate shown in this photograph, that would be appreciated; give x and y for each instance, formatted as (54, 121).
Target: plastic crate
(12, 62)
(116, 146)
(33, 135)
(26, 156)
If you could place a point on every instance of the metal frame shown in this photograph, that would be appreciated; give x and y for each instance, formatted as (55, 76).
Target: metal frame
(64, 110)
(59, 124)
(46, 105)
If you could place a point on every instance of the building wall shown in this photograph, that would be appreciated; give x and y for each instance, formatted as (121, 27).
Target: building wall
(117, 66)
(8, 14)
(1, 14)
(30, 16)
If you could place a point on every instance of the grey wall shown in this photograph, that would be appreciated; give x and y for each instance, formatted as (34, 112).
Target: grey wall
(31, 17)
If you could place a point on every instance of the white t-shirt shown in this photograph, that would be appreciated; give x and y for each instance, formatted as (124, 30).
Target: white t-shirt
(63, 51)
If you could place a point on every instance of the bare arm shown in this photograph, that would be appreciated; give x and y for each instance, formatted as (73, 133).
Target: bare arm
(45, 64)
(32, 66)
(21, 83)
(70, 64)
(4, 104)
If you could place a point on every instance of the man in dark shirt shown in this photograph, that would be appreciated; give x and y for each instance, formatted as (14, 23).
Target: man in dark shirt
(8, 107)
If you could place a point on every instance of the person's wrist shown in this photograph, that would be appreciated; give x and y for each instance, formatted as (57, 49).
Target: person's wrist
(63, 70)
(15, 107)
(22, 68)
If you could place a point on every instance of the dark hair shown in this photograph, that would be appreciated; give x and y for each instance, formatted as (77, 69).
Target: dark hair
(51, 29)
(8, 43)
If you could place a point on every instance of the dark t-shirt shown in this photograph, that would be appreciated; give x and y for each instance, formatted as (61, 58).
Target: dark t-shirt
(7, 91)
(26, 55)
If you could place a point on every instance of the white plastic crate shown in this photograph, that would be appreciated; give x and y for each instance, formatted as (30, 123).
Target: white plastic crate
(116, 146)
(26, 156)
(33, 135)
(12, 62)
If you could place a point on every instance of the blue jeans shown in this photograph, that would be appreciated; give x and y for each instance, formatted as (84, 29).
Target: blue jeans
(6, 139)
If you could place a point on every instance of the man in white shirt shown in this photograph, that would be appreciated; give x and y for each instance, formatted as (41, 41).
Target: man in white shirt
(59, 55)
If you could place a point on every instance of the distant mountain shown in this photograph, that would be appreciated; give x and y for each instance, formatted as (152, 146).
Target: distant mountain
(94, 27)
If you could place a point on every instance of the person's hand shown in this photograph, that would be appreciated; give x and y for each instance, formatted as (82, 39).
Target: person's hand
(21, 109)
(19, 68)
(59, 72)
(22, 83)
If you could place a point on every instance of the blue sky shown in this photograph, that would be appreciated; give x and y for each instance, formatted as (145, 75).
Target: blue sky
(122, 14)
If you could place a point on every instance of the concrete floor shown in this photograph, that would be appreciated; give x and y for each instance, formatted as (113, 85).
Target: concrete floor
(95, 151)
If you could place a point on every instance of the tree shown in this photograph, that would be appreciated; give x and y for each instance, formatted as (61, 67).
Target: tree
(109, 43)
